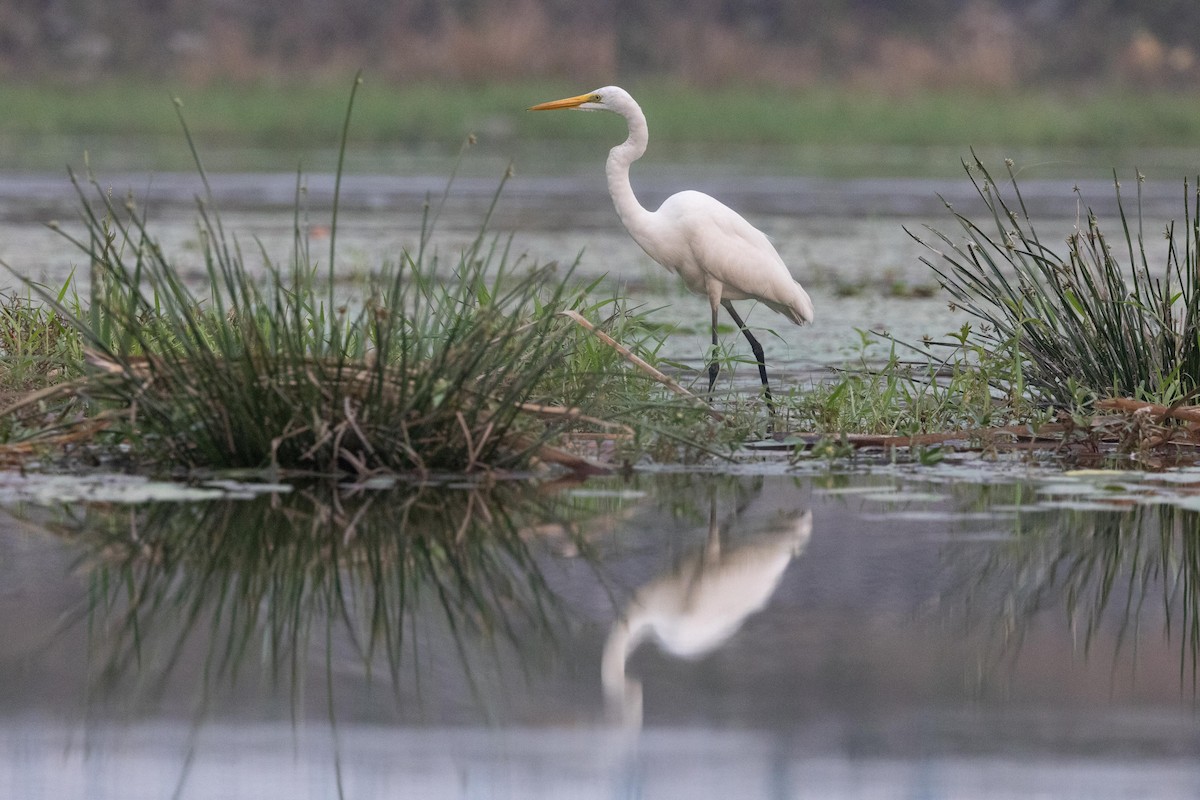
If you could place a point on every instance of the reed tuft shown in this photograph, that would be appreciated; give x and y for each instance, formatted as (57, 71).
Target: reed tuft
(435, 368)
(1097, 320)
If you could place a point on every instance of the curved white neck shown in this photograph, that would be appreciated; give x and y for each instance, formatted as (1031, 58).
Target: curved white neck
(631, 212)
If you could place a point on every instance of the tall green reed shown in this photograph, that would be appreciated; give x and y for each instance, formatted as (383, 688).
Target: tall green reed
(1101, 319)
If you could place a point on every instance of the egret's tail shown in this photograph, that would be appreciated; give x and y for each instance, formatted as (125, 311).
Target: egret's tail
(798, 308)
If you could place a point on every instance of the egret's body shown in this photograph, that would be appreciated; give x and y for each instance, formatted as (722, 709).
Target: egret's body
(715, 251)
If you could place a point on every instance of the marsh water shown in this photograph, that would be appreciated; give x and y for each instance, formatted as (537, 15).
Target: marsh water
(969, 630)
(770, 628)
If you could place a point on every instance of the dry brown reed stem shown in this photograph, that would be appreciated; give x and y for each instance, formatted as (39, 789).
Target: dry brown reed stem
(1136, 425)
(1161, 412)
(1015, 433)
(625, 353)
(577, 416)
(577, 464)
(15, 454)
(59, 391)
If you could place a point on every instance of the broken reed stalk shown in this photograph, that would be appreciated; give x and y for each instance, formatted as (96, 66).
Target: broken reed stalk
(629, 356)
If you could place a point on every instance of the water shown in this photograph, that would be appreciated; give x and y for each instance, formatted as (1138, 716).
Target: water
(973, 629)
(800, 632)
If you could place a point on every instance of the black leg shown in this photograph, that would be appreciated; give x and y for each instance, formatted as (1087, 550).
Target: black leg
(713, 366)
(758, 353)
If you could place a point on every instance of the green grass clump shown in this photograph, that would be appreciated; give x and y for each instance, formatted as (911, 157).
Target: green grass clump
(432, 369)
(38, 346)
(934, 387)
(41, 358)
(1100, 319)
(666, 426)
(427, 372)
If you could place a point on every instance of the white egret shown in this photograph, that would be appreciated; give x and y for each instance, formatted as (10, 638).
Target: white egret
(710, 246)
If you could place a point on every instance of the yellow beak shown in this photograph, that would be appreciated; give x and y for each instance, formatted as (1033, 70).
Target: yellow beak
(566, 102)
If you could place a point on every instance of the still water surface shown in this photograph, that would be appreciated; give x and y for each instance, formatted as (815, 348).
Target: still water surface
(970, 630)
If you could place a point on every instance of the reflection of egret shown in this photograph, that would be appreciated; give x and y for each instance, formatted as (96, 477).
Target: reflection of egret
(701, 605)
(712, 248)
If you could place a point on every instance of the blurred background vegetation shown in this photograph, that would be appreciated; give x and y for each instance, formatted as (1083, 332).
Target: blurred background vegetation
(1037, 73)
(899, 44)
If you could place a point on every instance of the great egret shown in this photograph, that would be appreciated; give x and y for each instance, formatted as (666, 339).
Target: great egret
(710, 246)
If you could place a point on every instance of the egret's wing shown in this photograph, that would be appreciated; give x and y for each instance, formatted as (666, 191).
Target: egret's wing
(728, 249)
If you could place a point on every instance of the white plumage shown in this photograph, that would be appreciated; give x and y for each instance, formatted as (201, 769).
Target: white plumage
(721, 255)
(711, 247)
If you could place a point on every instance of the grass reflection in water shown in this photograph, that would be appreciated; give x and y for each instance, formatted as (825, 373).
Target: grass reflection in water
(284, 579)
(1119, 576)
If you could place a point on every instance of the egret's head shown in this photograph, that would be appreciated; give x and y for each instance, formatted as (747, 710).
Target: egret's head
(609, 98)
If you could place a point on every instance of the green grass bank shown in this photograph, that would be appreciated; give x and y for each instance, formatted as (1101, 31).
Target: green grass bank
(306, 113)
